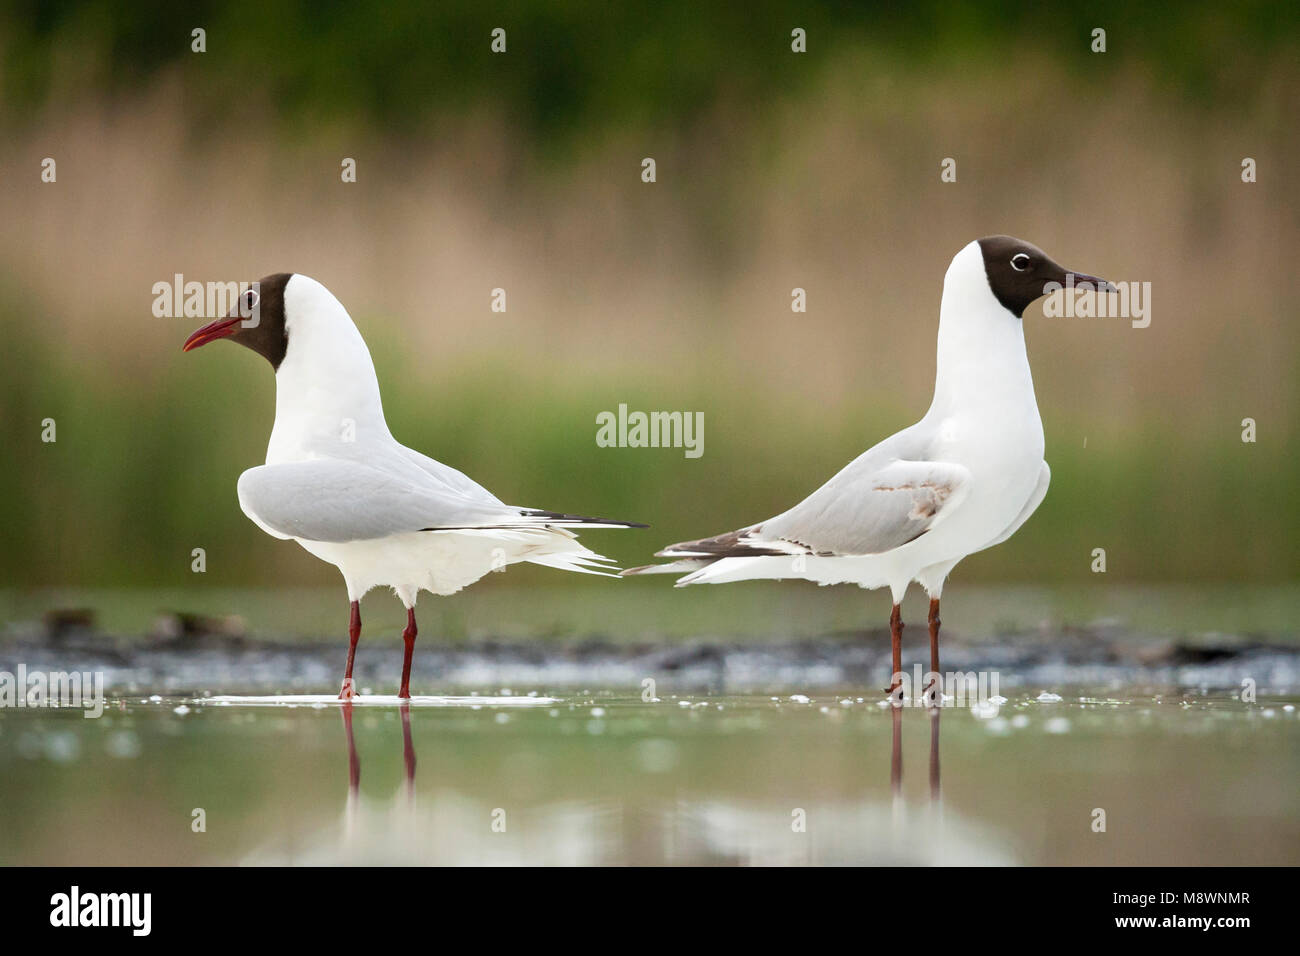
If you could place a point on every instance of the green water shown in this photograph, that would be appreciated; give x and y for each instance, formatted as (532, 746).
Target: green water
(1198, 780)
(1150, 733)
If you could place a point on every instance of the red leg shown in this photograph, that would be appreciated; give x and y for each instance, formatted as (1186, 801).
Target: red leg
(408, 636)
(934, 690)
(934, 634)
(896, 639)
(354, 632)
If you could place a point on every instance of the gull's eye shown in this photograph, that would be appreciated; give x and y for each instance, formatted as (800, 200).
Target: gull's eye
(1020, 261)
(250, 299)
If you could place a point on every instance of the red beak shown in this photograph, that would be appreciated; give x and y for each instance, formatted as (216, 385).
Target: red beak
(220, 329)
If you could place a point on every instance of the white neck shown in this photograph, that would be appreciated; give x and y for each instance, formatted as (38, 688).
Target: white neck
(981, 358)
(326, 392)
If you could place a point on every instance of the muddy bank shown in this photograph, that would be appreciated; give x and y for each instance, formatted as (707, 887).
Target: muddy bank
(211, 657)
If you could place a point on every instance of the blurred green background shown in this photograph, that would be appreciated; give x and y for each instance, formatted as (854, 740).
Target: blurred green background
(522, 170)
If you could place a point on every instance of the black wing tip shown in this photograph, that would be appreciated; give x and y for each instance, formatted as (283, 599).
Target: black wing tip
(726, 545)
(583, 519)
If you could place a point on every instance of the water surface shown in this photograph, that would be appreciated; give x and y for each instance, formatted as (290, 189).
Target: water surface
(610, 778)
(646, 726)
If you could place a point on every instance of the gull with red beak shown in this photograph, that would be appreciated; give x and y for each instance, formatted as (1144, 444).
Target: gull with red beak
(338, 482)
(962, 479)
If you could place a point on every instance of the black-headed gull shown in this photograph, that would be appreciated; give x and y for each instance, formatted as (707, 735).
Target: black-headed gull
(960, 480)
(338, 482)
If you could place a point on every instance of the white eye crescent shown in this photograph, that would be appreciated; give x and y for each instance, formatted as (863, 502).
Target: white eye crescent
(1020, 261)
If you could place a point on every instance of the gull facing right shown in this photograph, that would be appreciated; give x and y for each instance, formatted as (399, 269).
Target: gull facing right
(962, 479)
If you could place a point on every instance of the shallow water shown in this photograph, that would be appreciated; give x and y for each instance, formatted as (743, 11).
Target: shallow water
(821, 777)
(738, 725)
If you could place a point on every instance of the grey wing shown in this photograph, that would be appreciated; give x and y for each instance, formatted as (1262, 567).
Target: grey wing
(1035, 499)
(887, 496)
(871, 509)
(456, 481)
(398, 460)
(343, 500)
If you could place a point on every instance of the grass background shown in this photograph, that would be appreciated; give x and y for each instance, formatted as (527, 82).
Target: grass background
(522, 171)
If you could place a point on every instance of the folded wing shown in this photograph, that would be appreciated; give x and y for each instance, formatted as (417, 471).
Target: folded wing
(339, 500)
(865, 509)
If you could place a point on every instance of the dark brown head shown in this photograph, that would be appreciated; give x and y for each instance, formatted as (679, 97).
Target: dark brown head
(256, 321)
(1019, 272)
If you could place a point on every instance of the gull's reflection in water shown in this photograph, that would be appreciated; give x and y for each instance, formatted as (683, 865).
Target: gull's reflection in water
(898, 804)
(935, 715)
(644, 814)
(408, 754)
(936, 796)
(354, 775)
(354, 762)
(354, 765)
